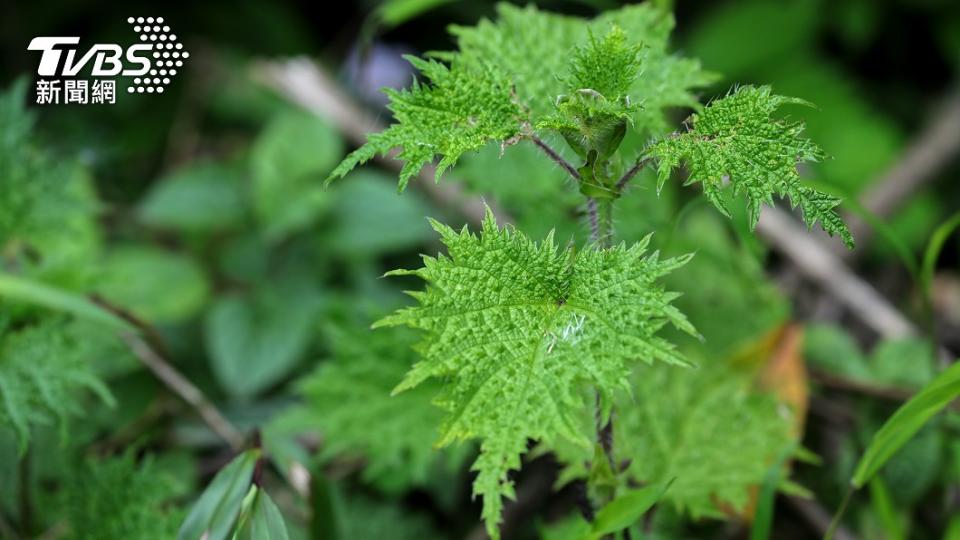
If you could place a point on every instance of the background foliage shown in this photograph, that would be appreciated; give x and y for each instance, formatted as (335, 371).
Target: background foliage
(202, 213)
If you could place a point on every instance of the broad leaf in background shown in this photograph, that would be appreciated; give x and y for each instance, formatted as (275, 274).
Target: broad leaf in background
(371, 218)
(288, 162)
(200, 198)
(119, 498)
(158, 285)
(737, 139)
(350, 392)
(213, 516)
(255, 339)
(515, 328)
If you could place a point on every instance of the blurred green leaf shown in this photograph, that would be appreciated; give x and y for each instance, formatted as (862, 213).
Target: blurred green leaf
(735, 38)
(326, 521)
(396, 12)
(953, 529)
(933, 249)
(214, 514)
(916, 468)
(905, 423)
(907, 362)
(832, 349)
(120, 498)
(199, 198)
(28, 291)
(254, 340)
(627, 509)
(373, 218)
(264, 522)
(158, 285)
(883, 507)
(289, 161)
(766, 497)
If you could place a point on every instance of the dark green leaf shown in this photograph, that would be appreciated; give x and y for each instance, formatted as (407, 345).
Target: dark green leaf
(264, 522)
(628, 508)
(906, 422)
(201, 198)
(255, 340)
(214, 514)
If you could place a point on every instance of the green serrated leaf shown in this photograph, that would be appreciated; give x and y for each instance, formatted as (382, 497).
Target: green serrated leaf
(516, 328)
(43, 368)
(350, 392)
(119, 498)
(737, 139)
(508, 74)
(705, 428)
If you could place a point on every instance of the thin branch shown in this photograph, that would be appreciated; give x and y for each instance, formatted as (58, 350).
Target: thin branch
(556, 157)
(151, 352)
(816, 262)
(627, 176)
(181, 386)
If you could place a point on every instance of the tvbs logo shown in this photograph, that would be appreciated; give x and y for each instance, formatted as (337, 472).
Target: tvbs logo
(149, 65)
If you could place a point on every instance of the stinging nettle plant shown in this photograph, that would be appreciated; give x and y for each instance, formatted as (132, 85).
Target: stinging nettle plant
(526, 336)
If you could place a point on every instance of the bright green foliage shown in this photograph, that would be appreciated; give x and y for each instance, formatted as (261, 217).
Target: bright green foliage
(608, 66)
(118, 498)
(708, 430)
(593, 117)
(534, 47)
(47, 206)
(515, 328)
(462, 108)
(504, 78)
(42, 369)
(351, 392)
(705, 428)
(736, 138)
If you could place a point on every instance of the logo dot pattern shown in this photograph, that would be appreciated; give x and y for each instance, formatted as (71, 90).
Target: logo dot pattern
(167, 54)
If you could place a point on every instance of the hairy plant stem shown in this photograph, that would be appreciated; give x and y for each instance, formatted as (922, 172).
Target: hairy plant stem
(605, 240)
